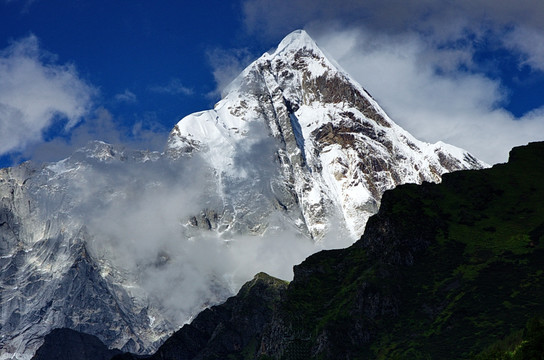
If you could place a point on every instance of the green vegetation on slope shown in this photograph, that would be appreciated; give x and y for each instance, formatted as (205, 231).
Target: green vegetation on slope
(447, 271)
(442, 272)
(521, 345)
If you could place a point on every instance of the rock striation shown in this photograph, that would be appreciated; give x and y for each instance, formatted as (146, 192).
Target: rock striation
(336, 151)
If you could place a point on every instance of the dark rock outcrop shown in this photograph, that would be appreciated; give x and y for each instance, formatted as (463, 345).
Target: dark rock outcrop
(67, 344)
(232, 329)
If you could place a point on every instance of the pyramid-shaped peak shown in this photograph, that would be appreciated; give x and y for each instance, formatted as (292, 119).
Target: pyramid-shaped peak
(298, 39)
(297, 52)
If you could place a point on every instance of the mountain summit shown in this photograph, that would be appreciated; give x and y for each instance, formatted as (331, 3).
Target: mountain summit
(128, 245)
(336, 149)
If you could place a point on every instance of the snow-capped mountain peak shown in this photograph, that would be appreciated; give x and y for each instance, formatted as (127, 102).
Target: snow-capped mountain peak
(335, 147)
(296, 40)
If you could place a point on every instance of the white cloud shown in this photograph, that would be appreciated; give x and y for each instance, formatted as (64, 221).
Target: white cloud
(452, 105)
(174, 87)
(35, 92)
(391, 16)
(127, 97)
(138, 215)
(530, 43)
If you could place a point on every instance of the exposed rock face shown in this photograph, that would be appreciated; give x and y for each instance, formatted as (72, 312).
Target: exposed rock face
(295, 143)
(48, 277)
(215, 333)
(222, 330)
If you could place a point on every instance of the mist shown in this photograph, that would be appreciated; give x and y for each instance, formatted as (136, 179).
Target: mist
(139, 217)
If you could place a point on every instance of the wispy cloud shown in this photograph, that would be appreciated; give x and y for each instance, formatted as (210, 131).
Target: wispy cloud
(127, 97)
(530, 43)
(174, 87)
(35, 93)
(26, 4)
(226, 65)
(143, 133)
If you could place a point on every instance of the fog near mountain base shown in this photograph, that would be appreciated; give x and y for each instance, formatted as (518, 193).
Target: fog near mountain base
(138, 213)
(143, 232)
(206, 270)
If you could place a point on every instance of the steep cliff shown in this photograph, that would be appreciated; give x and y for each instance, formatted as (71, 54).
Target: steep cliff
(441, 272)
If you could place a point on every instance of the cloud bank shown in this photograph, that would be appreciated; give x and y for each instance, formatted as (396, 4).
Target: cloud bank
(423, 90)
(422, 61)
(439, 18)
(138, 214)
(37, 93)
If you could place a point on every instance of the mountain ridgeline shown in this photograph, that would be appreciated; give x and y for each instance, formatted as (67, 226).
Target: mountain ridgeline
(443, 271)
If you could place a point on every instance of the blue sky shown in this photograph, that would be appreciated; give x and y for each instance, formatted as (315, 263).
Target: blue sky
(470, 73)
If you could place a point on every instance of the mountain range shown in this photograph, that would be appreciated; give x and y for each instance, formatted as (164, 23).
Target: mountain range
(129, 245)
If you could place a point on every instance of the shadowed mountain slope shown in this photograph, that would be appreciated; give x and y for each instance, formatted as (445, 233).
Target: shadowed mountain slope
(443, 271)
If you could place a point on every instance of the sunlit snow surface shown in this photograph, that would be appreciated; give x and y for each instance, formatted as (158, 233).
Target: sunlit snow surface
(129, 245)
